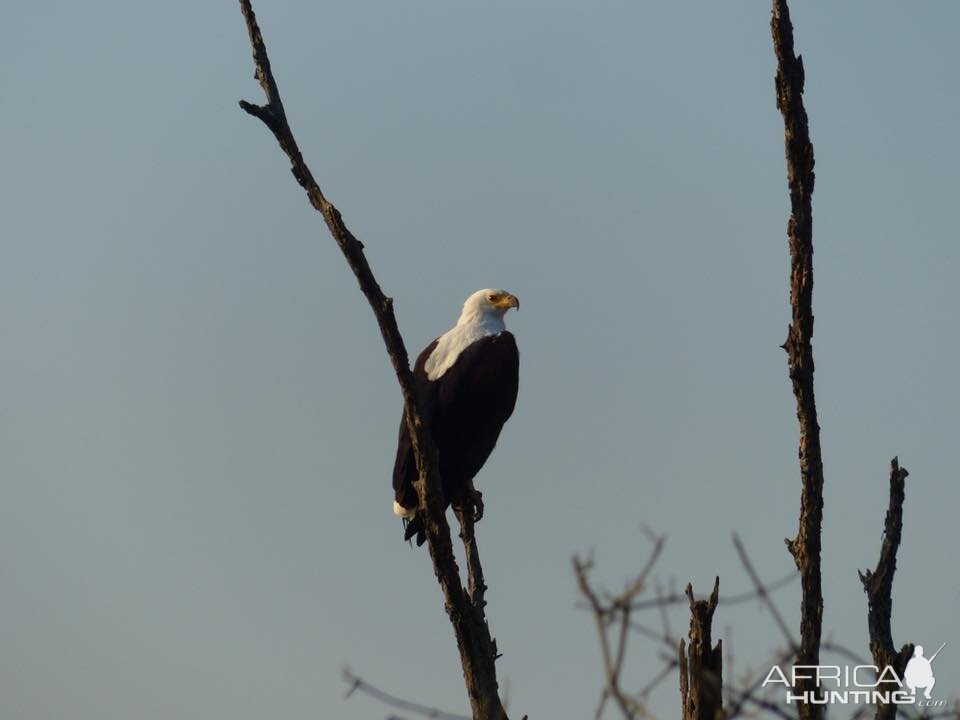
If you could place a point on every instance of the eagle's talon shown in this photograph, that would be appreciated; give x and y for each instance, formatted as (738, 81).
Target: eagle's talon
(470, 503)
(475, 498)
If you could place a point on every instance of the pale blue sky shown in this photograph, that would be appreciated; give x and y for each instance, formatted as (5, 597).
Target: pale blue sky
(197, 418)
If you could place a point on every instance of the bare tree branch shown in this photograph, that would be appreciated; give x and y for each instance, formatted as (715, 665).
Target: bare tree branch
(616, 612)
(749, 693)
(878, 584)
(769, 706)
(764, 594)
(609, 609)
(805, 548)
(477, 649)
(475, 583)
(675, 598)
(359, 684)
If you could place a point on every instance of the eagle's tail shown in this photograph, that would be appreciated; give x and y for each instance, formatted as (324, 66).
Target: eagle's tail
(414, 527)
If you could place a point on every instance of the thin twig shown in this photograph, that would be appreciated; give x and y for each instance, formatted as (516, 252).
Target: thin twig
(616, 610)
(748, 695)
(359, 684)
(737, 599)
(763, 594)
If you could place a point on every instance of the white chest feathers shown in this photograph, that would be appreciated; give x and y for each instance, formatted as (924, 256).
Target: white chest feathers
(456, 340)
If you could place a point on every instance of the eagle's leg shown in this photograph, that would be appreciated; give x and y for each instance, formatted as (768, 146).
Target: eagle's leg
(471, 500)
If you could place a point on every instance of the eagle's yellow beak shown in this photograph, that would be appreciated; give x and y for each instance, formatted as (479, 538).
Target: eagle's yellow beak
(506, 301)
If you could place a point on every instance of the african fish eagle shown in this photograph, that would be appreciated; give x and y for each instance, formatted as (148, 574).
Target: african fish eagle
(467, 381)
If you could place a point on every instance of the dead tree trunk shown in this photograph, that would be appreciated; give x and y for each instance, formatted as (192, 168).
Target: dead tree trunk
(701, 664)
(805, 548)
(878, 584)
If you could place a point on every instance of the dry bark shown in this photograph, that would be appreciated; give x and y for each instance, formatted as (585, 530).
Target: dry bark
(701, 663)
(477, 649)
(805, 548)
(878, 585)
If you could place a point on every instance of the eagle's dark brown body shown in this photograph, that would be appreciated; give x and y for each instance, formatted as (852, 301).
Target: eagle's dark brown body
(465, 409)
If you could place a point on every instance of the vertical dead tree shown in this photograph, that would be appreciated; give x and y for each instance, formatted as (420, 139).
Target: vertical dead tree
(878, 585)
(701, 664)
(466, 610)
(805, 548)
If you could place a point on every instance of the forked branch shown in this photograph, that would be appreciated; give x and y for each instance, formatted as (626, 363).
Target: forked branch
(613, 621)
(701, 663)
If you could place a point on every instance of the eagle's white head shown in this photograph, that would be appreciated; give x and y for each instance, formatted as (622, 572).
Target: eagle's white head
(486, 305)
(482, 315)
